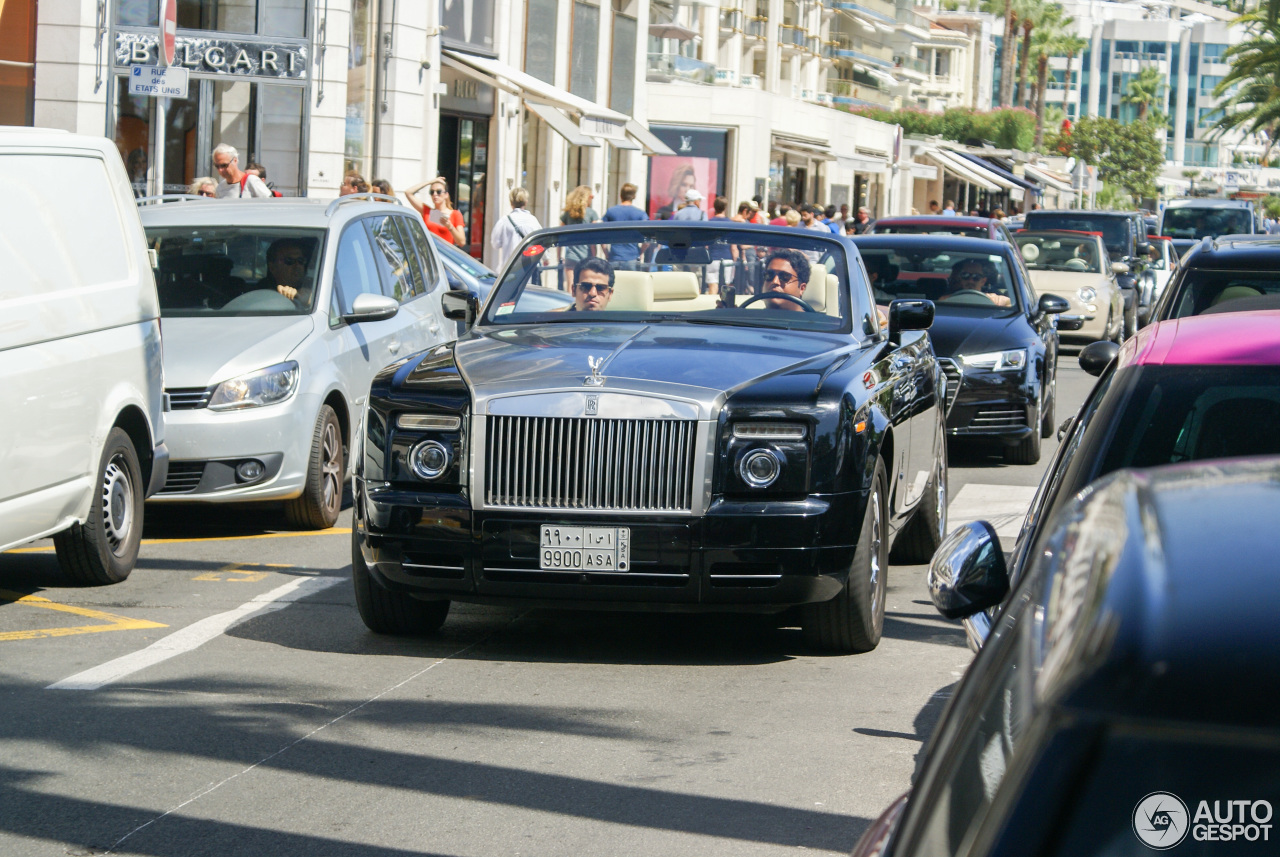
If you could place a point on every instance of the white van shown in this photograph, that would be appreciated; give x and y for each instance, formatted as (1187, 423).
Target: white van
(81, 378)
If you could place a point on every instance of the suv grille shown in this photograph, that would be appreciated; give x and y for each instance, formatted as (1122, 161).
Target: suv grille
(188, 398)
(592, 465)
(954, 379)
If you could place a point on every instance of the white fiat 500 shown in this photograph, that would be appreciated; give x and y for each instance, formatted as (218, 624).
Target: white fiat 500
(277, 314)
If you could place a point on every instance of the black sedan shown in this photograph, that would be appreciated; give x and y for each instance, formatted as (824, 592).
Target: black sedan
(1231, 274)
(468, 274)
(723, 427)
(996, 340)
(1120, 696)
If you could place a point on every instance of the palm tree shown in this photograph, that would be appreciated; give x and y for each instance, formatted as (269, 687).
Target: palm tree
(1032, 13)
(1252, 87)
(1069, 46)
(1008, 10)
(1144, 90)
(1045, 44)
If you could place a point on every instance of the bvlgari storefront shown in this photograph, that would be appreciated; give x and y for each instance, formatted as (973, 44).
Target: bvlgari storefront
(248, 64)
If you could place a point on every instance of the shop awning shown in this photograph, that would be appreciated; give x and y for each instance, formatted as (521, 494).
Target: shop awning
(860, 164)
(561, 124)
(512, 80)
(983, 169)
(1000, 171)
(624, 143)
(1047, 179)
(805, 147)
(646, 138)
(960, 170)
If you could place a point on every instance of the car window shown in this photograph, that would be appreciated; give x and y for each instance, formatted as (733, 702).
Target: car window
(959, 282)
(397, 261)
(1076, 253)
(1201, 290)
(1117, 232)
(1201, 222)
(931, 229)
(427, 251)
(354, 270)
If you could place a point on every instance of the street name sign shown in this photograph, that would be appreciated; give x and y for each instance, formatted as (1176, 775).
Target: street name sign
(157, 82)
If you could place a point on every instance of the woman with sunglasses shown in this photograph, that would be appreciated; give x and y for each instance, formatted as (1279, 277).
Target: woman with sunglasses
(437, 212)
(203, 186)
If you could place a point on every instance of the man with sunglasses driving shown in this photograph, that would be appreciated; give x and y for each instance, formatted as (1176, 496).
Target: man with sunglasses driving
(975, 275)
(592, 286)
(786, 272)
(287, 270)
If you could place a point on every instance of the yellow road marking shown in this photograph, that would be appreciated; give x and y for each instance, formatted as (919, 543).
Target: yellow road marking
(240, 568)
(114, 622)
(332, 531)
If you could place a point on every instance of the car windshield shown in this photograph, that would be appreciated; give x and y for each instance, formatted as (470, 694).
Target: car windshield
(777, 278)
(464, 261)
(1116, 231)
(959, 283)
(940, 228)
(1197, 222)
(1202, 290)
(1191, 413)
(1079, 253)
(235, 270)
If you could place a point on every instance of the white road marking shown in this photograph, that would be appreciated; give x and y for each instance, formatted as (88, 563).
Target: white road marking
(1002, 506)
(194, 635)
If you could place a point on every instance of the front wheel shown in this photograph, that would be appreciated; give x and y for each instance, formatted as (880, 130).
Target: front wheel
(1047, 427)
(104, 548)
(854, 620)
(321, 500)
(387, 612)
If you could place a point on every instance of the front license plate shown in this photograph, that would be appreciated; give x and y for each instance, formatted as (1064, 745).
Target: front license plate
(584, 548)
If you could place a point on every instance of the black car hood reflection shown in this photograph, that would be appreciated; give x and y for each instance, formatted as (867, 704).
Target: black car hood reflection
(715, 358)
(954, 335)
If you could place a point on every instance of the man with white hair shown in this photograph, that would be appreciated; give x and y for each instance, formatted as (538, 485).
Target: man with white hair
(236, 182)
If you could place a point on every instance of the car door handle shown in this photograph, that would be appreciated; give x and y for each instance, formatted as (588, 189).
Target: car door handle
(393, 346)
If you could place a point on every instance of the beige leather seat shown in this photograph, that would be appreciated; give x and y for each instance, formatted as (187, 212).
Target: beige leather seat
(632, 290)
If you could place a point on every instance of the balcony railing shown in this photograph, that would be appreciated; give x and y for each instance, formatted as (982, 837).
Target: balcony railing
(789, 34)
(911, 64)
(756, 27)
(665, 68)
(751, 81)
(731, 19)
(726, 77)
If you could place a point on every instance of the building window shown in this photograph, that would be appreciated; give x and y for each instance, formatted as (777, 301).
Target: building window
(1213, 52)
(540, 40)
(362, 87)
(586, 50)
(622, 77)
(286, 18)
(17, 62)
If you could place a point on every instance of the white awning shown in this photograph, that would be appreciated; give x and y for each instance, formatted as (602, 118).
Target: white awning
(561, 124)
(1046, 179)
(987, 175)
(861, 164)
(805, 147)
(527, 86)
(957, 168)
(928, 172)
(623, 143)
(642, 135)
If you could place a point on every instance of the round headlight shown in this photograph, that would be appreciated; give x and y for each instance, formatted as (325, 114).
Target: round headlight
(1087, 294)
(429, 459)
(760, 468)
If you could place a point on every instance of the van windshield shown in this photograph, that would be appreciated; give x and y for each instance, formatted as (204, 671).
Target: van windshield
(1203, 222)
(235, 270)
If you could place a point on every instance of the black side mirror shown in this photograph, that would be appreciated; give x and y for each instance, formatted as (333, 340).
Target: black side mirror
(1096, 356)
(1052, 304)
(1143, 248)
(909, 315)
(461, 306)
(968, 573)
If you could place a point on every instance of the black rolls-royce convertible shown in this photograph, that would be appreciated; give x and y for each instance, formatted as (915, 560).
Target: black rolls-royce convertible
(722, 424)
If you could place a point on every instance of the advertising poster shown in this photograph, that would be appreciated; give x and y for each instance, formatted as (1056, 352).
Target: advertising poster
(671, 176)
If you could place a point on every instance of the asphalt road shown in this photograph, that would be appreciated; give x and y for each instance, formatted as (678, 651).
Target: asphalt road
(227, 700)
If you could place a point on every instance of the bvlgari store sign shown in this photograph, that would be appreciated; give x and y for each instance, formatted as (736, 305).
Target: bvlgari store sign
(217, 56)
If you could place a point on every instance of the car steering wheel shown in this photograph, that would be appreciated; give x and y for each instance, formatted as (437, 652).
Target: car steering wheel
(784, 295)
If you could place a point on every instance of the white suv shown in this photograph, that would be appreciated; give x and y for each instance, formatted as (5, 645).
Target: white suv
(81, 422)
(277, 314)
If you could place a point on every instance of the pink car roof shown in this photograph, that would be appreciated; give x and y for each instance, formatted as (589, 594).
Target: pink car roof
(1229, 338)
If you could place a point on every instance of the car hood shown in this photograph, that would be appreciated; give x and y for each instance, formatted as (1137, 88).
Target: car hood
(687, 359)
(1066, 283)
(955, 335)
(199, 352)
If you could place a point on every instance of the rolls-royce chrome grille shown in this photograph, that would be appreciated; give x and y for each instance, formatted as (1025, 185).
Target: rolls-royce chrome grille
(589, 464)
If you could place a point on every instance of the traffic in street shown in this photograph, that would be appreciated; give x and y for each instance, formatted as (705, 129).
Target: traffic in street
(226, 698)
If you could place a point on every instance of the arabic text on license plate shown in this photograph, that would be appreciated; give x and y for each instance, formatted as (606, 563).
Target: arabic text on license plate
(584, 548)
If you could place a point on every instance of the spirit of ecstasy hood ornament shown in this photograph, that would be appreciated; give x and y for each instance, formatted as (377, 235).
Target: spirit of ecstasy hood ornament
(595, 379)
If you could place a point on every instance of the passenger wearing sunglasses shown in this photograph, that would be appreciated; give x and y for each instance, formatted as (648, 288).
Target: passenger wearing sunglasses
(437, 211)
(975, 275)
(592, 287)
(287, 270)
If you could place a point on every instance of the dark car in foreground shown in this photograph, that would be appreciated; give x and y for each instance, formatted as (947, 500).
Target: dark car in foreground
(933, 224)
(656, 446)
(996, 339)
(1231, 274)
(1125, 234)
(1120, 694)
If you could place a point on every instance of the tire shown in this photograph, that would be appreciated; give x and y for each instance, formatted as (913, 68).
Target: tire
(927, 528)
(854, 620)
(1131, 320)
(1118, 335)
(1026, 452)
(1047, 428)
(387, 612)
(321, 500)
(104, 549)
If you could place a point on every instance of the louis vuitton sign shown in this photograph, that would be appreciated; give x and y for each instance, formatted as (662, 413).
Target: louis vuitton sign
(230, 57)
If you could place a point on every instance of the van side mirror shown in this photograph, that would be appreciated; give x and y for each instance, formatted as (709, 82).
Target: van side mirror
(1143, 248)
(370, 307)
(968, 574)
(1097, 356)
(909, 315)
(461, 306)
(1119, 268)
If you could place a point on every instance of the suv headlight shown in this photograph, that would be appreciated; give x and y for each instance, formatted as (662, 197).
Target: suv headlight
(264, 387)
(998, 361)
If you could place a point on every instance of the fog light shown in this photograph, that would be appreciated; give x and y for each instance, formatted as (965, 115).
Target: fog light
(760, 468)
(429, 459)
(250, 470)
